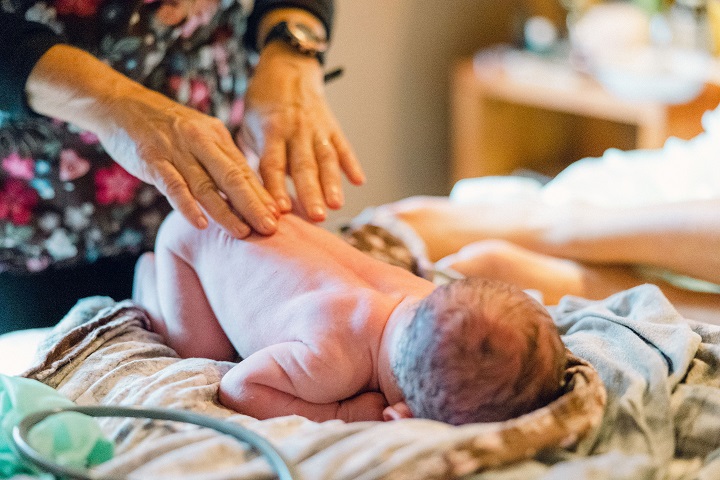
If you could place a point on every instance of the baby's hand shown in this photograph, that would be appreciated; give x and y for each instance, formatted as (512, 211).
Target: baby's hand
(363, 407)
(397, 412)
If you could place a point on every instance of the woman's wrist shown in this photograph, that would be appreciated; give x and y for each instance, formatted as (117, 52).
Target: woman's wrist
(280, 59)
(280, 51)
(71, 85)
(274, 17)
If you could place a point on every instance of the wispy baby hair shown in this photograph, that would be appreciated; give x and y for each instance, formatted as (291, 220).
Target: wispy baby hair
(479, 350)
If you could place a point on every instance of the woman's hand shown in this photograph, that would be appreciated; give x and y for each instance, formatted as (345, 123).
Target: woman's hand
(190, 157)
(289, 124)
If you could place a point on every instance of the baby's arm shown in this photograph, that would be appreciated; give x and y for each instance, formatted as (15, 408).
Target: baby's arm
(289, 379)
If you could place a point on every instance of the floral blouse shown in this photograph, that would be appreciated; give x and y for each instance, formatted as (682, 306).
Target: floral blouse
(63, 200)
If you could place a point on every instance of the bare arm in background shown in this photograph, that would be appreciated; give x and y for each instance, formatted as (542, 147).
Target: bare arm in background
(556, 277)
(682, 237)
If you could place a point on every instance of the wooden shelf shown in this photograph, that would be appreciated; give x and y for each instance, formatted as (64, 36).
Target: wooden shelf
(548, 116)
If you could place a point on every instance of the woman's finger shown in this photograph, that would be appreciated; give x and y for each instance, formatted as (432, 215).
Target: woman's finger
(304, 172)
(329, 172)
(348, 161)
(236, 182)
(228, 146)
(233, 152)
(273, 169)
(173, 186)
(210, 198)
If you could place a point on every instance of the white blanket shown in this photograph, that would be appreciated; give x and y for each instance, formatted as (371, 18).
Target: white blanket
(103, 354)
(659, 420)
(683, 170)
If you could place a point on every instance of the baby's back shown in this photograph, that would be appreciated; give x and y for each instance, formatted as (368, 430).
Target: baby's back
(301, 284)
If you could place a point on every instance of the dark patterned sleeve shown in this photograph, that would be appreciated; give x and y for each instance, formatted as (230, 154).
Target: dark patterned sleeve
(22, 43)
(323, 9)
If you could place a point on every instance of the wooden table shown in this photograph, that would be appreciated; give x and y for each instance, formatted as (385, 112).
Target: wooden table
(542, 116)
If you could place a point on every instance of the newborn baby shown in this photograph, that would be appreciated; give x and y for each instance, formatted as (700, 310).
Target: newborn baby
(327, 332)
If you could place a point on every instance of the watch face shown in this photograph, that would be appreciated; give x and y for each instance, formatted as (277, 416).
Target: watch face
(307, 39)
(303, 32)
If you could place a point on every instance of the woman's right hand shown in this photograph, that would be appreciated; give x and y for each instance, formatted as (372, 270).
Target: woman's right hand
(192, 159)
(189, 156)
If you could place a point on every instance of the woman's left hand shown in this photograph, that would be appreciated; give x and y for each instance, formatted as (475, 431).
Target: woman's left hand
(288, 123)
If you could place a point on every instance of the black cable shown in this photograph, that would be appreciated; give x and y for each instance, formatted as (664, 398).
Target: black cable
(283, 469)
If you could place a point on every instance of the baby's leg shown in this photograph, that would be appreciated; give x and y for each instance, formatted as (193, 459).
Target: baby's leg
(187, 321)
(554, 277)
(557, 277)
(446, 226)
(144, 290)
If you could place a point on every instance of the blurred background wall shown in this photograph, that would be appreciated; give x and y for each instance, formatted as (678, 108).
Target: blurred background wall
(393, 101)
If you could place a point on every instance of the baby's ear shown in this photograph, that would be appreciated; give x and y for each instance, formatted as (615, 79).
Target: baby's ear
(397, 412)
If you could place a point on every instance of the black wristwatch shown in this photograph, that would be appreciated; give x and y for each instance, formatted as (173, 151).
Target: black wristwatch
(300, 38)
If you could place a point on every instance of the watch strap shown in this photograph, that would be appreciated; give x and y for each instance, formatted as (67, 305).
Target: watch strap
(281, 32)
(323, 10)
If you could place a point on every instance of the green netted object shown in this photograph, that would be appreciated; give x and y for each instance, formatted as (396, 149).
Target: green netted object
(70, 439)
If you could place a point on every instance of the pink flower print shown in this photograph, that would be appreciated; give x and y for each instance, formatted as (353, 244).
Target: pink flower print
(19, 167)
(199, 95)
(172, 13)
(221, 55)
(37, 264)
(201, 13)
(88, 138)
(237, 111)
(80, 8)
(72, 166)
(115, 185)
(180, 88)
(175, 83)
(17, 201)
(191, 13)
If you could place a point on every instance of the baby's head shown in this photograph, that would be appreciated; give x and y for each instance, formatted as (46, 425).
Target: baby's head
(478, 351)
